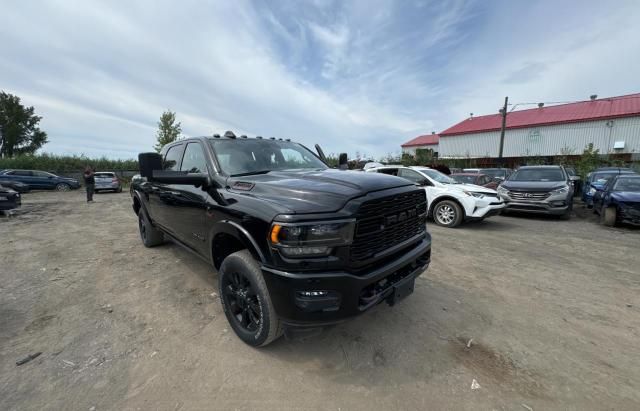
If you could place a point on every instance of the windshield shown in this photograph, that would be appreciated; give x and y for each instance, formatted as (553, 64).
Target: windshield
(437, 176)
(601, 178)
(538, 174)
(465, 179)
(493, 173)
(627, 184)
(237, 157)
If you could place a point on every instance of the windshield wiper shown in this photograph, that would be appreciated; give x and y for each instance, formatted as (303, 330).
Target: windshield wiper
(250, 173)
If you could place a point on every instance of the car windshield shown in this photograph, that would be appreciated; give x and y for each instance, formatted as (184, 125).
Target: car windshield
(627, 184)
(602, 178)
(538, 174)
(437, 176)
(254, 156)
(465, 179)
(493, 173)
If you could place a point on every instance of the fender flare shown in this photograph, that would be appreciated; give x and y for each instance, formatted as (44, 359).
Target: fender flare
(237, 231)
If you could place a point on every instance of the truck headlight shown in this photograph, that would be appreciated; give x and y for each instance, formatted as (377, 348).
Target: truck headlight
(561, 190)
(311, 239)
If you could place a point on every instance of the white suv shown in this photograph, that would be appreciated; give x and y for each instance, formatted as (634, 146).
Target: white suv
(449, 202)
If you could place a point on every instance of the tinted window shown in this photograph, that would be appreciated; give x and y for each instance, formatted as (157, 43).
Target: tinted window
(172, 158)
(438, 176)
(390, 171)
(20, 173)
(410, 175)
(42, 174)
(538, 174)
(603, 177)
(193, 160)
(104, 175)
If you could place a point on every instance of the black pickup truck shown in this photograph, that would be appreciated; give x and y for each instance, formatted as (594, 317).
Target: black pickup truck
(296, 244)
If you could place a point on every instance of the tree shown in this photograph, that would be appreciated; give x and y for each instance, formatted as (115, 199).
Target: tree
(589, 160)
(168, 129)
(19, 132)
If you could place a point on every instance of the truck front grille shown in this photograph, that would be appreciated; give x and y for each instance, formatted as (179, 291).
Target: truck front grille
(385, 222)
(530, 196)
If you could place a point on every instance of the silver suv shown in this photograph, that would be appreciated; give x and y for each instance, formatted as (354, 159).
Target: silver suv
(538, 189)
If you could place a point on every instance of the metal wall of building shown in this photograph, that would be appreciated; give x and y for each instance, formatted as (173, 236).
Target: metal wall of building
(570, 138)
(412, 150)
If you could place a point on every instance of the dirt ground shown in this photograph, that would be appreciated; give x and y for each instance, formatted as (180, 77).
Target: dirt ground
(552, 308)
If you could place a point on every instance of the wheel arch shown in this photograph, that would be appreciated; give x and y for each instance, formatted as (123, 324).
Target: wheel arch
(438, 199)
(227, 237)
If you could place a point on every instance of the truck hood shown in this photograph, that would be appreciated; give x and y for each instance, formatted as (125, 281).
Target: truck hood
(533, 186)
(323, 191)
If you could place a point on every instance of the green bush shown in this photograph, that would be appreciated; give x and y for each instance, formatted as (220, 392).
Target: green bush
(56, 163)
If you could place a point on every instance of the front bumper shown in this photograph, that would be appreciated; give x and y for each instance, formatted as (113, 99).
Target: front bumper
(108, 186)
(479, 208)
(553, 205)
(347, 295)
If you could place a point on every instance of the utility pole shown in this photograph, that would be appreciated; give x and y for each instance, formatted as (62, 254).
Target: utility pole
(504, 125)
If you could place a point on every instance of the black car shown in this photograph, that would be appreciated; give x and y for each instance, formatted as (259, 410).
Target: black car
(15, 185)
(296, 244)
(619, 200)
(538, 189)
(40, 180)
(9, 199)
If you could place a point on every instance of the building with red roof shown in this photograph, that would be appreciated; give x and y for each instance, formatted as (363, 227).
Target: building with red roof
(429, 141)
(612, 124)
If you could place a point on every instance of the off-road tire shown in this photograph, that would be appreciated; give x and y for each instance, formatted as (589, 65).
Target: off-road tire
(447, 213)
(608, 216)
(149, 235)
(269, 327)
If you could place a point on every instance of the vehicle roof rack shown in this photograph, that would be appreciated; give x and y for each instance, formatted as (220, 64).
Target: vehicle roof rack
(287, 139)
(259, 137)
(216, 135)
(229, 134)
(243, 136)
(272, 138)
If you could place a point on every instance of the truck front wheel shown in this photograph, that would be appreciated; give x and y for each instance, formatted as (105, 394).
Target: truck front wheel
(246, 301)
(149, 235)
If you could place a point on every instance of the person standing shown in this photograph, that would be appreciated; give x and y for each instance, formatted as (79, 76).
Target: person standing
(89, 182)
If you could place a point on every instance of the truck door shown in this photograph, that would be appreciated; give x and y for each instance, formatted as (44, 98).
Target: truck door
(188, 203)
(160, 198)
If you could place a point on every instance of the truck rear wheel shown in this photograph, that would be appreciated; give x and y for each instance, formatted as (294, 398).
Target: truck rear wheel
(246, 301)
(447, 213)
(150, 235)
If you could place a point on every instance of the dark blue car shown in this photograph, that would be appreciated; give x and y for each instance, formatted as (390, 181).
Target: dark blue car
(619, 200)
(596, 181)
(40, 180)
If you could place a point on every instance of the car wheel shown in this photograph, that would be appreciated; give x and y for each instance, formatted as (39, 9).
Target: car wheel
(608, 216)
(447, 213)
(149, 235)
(63, 187)
(246, 301)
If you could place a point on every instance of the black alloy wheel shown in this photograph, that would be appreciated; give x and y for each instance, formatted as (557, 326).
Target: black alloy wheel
(242, 301)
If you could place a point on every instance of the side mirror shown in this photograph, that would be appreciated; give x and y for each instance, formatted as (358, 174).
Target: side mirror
(149, 162)
(424, 182)
(343, 161)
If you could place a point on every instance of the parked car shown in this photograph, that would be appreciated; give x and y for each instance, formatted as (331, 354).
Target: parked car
(40, 180)
(107, 181)
(500, 173)
(450, 202)
(575, 179)
(538, 189)
(15, 185)
(470, 170)
(477, 179)
(9, 199)
(296, 244)
(618, 201)
(597, 179)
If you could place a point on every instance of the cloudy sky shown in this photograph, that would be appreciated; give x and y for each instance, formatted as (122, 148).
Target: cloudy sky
(352, 75)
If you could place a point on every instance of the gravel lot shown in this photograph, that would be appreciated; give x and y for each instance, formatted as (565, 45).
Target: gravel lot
(552, 307)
